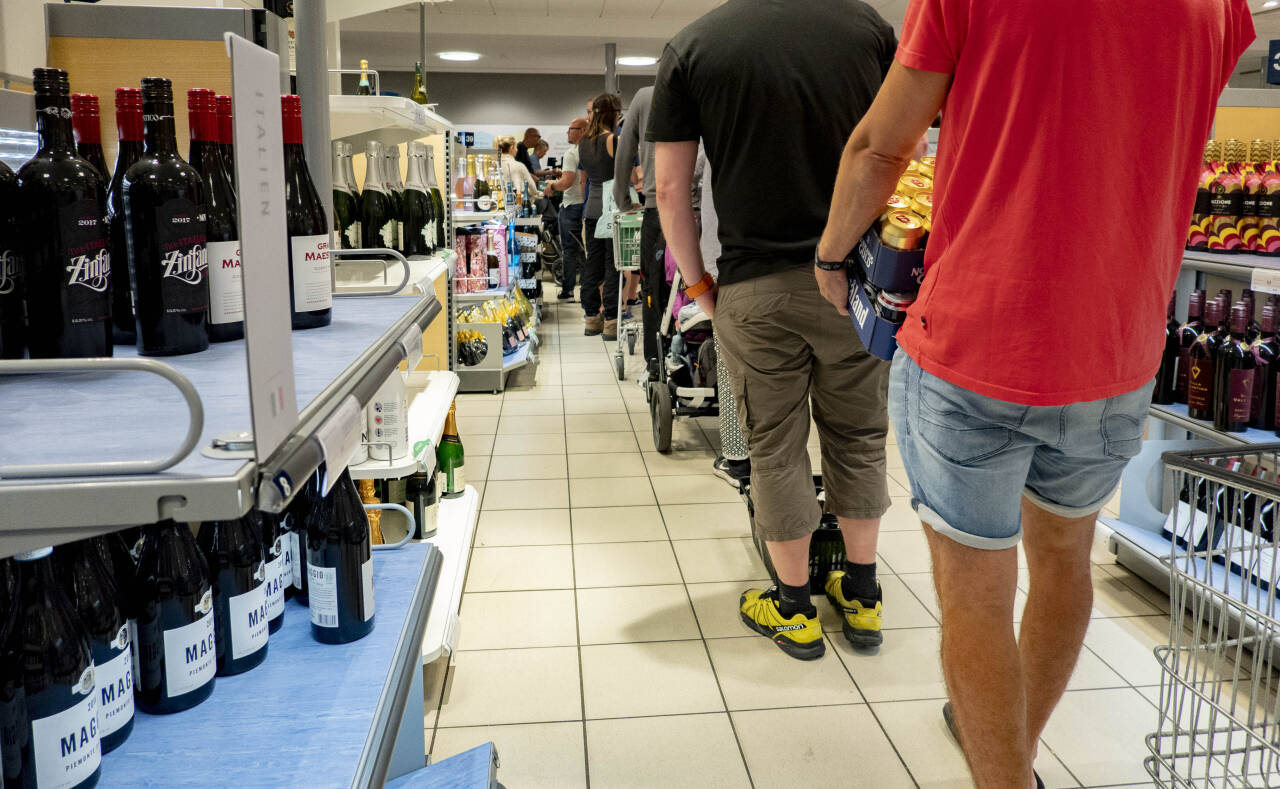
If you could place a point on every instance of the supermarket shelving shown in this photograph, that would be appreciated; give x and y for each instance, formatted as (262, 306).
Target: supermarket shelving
(390, 120)
(455, 529)
(429, 394)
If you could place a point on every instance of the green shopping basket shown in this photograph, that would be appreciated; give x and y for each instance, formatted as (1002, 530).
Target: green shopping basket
(626, 240)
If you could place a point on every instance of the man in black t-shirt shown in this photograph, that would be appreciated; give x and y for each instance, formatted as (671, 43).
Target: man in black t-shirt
(793, 79)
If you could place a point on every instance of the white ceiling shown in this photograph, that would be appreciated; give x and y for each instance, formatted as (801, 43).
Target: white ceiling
(569, 36)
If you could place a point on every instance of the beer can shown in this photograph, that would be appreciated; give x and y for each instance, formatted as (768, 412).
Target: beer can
(902, 230)
(922, 204)
(912, 185)
(896, 202)
(892, 307)
(913, 167)
(927, 166)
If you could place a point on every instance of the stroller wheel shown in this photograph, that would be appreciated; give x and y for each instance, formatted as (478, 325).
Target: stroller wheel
(620, 366)
(661, 415)
(631, 343)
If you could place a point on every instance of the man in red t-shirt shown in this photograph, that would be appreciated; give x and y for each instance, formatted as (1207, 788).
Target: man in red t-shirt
(1066, 172)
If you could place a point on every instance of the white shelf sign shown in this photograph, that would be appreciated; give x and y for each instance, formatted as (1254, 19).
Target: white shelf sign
(412, 342)
(339, 436)
(1266, 280)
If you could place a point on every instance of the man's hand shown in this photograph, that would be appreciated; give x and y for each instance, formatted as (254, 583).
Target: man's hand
(835, 288)
(547, 190)
(707, 301)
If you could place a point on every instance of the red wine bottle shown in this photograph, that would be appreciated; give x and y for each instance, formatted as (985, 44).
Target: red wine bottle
(226, 296)
(223, 107)
(129, 126)
(13, 312)
(1233, 369)
(310, 270)
(177, 648)
(1255, 328)
(48, 660)
(67, 260)
(1200, 376)
(87, 583)
(238, 572)
(1266, 350)
(1187, 334)
(164, 210)
(340, 567)
(86, 124)
(273, 547)
(1167, 376)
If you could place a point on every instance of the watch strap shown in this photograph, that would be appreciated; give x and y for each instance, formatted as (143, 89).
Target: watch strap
(700, 287)
(826, 265)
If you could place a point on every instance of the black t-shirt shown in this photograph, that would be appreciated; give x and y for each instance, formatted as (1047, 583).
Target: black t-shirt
(773, 88)
(522, 156)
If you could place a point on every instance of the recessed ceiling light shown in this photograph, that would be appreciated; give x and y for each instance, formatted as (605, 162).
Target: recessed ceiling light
(1271, 4)
(458, 55)
(645, 60)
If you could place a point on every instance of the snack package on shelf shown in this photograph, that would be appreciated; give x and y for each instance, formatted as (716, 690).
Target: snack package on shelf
(472, 347)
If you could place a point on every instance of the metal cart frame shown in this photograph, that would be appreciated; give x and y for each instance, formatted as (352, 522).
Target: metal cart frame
(626, 258)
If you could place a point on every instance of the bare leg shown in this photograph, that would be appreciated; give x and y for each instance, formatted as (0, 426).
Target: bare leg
(1058, 607)
(860, 536)
(980, 659)
(790, 560)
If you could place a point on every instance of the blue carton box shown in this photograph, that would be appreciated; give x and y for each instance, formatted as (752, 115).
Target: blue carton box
(878, 335)
(889, 269)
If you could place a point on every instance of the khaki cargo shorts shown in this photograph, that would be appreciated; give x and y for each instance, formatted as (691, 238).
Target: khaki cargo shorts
(786, 348)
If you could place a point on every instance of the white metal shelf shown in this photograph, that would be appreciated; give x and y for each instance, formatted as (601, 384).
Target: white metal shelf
(477, 296)
(1237, 266)
(1176, 415)
(456, 526)
(390, 120)
(430, 395)
(371, 276)
(461, 218)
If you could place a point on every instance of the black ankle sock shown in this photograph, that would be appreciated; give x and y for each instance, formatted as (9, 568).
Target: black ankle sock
(859, 581)
(794, 600)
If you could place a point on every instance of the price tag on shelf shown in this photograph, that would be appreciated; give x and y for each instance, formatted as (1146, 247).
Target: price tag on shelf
(339, 436)
(412, 342)
(527, 283)
(1266, 280)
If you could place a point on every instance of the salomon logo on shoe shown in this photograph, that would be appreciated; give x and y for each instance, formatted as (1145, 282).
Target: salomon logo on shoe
(784, 628)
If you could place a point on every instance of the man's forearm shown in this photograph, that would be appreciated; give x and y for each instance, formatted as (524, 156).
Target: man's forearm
(680, 229)
(864, 184)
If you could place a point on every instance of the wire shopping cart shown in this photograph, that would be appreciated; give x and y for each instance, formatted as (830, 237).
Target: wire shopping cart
(626, 258)
(1219, 722)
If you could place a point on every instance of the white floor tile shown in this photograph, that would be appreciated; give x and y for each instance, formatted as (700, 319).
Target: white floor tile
(635, 613)
(528, 425)
(670, 751)
(512, 686)
(533, 755)
(679, 463)
(607, 464)
(506, 467)
(705, 561)
(602, 442)
(716, 605)
(515, 569)
(515, 620)
(487, 405)
(900, 517)
(526, 494)
(523, 527)
(1127, 643)
(545, 444)
(1100, 735)
(610, 492)
(477, 424)
(755, 674)
(782, 744)
(905, 551)
(609, 404)
(906, 666)
(597, 423)
(694, 489)
(617, 524)
(656, 678)
(699, 521)
(1114, 597)
(625, 564)
(517, 408)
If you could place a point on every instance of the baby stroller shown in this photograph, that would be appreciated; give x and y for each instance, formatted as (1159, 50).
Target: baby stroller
(550, 251)
(686, 384)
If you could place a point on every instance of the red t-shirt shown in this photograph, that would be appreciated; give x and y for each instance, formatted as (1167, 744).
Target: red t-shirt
(1067, 165)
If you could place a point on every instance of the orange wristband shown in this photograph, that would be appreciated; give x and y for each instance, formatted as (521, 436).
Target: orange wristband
(700, 287)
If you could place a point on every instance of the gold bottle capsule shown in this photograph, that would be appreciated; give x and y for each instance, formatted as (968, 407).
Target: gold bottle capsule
(1259, 151)
(902, 230)
(1234, 150)
(1213, 151)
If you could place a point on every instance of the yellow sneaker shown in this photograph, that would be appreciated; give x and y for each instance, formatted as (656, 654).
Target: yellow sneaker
(800, 636)
(860, 621)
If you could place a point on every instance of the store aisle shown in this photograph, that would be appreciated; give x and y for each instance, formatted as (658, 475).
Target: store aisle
(601, 643)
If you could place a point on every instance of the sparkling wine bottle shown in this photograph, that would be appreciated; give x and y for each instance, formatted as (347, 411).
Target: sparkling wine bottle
(377, 209)
(238, 573)
(66, 259)
(129, 125)
(450, 458)
(340, 567)
(117, 558)
(273, 547)
(419, 209)
(346, 207)
(391, 177)
(310, 270)
(164, 216)
(437, 198)
(87, 583)
(177, 648)
(13, 312)
(226, 297)
(48, 674)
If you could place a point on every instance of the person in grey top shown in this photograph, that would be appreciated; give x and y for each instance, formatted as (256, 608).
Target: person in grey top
(596, 149)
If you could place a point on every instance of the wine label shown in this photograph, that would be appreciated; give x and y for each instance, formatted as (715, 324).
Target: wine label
(322, 585)
(1239, 395)
(115, 688)
(399, 234)
(455, 479)
(248, 613)
(226, 294)
(190, 656)
(277, 580)
(1184, 365)
(1200, 384)
(133, 649)
(66, 746)
(387, 234)
(87, 264)
(292, 566)
(180, 232)
(10, 271)
(312, 278)
(366, 580)
(351, 236)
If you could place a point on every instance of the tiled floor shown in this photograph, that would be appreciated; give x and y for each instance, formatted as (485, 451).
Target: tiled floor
(601, 644)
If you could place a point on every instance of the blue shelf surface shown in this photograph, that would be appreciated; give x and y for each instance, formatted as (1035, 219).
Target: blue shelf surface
(1206, 429)
(473, 769)
(301, 718)
(121, 416)
(517, 357)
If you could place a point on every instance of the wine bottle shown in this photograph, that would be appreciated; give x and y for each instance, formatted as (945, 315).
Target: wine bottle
(421, 492)
(346, 209)
(450, 458)
(363, 88)
(13, 312)
(348, 168)
(117, 558)
(419, 92)
(222, 105)
(466, 187)
(1234, 367)
(86, 124)
(310, 270)
(67, 259)
(87, 583)
(340, 567)
(419, 211)
(129, 125)
(1187, 334)
(164, 217)
(481, 188)
(238, 573)
(226, 294)
(437, 198)
(48, 662)
(273, 546)
(1167, 376)
(1251, 305)
(1200, 370)
(177, 648)
(391, 177)
(1266, 352)
(305, 507)
(377, 211)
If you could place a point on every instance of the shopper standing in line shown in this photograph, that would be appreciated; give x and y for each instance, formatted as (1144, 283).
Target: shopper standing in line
(595, 165)
(1024, 374)
(524, 148)
(570, 218)
(741, 78)
(513, 172)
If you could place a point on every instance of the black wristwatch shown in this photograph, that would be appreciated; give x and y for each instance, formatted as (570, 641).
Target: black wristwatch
(826, 265)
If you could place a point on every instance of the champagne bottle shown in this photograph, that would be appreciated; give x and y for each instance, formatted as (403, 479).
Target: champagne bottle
(129, 126)
(48, 671)
(86, 123)
(419, 210)
(391, 179)
(449, 458)
(66, 257)
(273, 547)
(377, 211)
(437, 198)
(340, 567)
(13, 311)
(419, 93)
(238, 574)
(177, 648)
(346, 207)
(481, 188)
(310, 269)
(86, 581)
(363, 89)
(164, 210)
(226, 296)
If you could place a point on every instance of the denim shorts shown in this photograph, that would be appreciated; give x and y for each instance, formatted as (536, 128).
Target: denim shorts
(970, 458)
